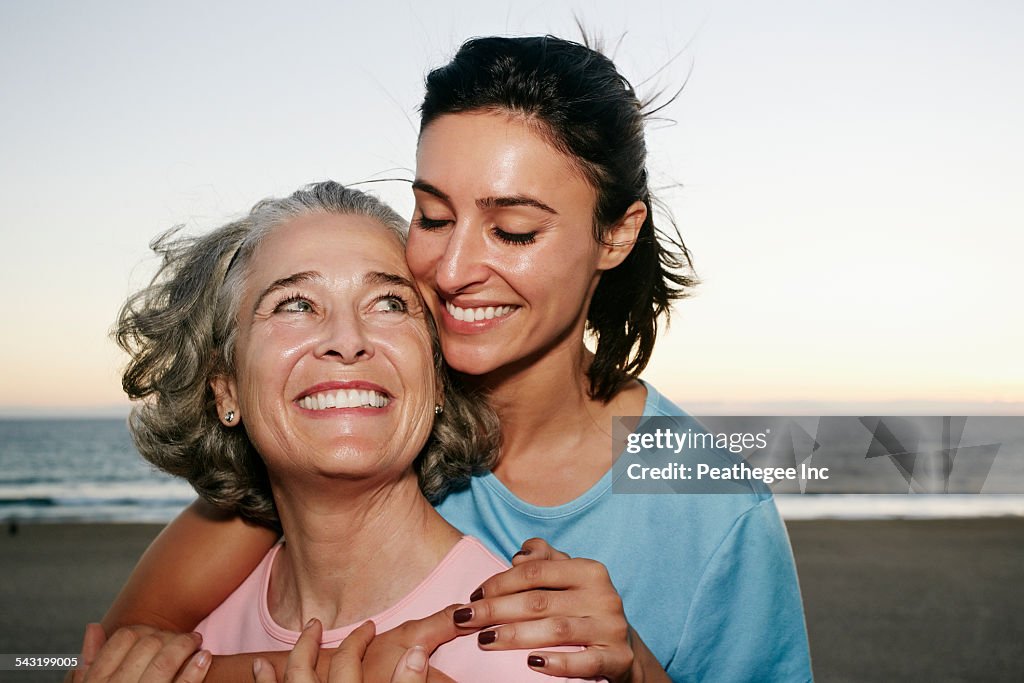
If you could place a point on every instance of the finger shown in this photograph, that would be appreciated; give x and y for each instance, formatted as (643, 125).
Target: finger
(389, 647)
(197, 667)
(347, 662)
(549, 574)
(112, 654)
(428, 632)
(302, 660)
(537, 549)
(138, 658)
(412, 667)
(171, 657)
(549, 632)
(263, 671)
(587, 663)
(92, 643)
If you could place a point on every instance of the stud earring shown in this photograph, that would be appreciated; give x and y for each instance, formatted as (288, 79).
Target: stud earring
(229, 416)
(438, 409)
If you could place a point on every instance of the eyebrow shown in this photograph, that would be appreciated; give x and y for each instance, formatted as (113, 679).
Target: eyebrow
(379, 278)
(488, 202)
(290, 281)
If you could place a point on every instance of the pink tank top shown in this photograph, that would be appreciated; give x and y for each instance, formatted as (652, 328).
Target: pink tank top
(243, 623)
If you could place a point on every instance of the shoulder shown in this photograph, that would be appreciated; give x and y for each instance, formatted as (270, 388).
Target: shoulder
(242, 623)
(669, 451)
(658, 405)
(471, 557)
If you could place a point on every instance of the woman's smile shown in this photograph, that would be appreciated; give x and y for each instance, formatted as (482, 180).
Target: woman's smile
(351, 395)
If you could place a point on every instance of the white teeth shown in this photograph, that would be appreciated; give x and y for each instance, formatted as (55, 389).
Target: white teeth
(477, 314)
(344, 398)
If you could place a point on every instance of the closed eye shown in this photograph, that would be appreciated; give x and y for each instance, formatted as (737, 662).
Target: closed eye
(425, 223)
(515, 237)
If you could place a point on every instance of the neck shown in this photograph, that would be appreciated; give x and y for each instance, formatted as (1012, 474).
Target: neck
(538, 397)
(556, 441)
(351, 553)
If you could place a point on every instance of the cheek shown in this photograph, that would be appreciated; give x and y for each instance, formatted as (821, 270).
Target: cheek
(263, 366)
(421, 254)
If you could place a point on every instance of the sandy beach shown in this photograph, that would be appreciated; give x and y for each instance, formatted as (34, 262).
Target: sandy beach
(935, 600)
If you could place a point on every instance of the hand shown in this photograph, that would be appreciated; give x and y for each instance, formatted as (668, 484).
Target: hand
(548, 599)
(348, 663)
(141, 653)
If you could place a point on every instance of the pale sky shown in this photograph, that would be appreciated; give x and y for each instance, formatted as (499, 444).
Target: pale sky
(847, 174)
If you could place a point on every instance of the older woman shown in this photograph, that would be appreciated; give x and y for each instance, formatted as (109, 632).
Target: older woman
(289, 371)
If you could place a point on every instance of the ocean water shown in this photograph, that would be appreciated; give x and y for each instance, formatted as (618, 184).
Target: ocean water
(87, 470)
(81, 470)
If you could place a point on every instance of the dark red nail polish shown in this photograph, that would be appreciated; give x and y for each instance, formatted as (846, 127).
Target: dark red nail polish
(486, 637)
(462, 615)
(478, 594)
(535, 661)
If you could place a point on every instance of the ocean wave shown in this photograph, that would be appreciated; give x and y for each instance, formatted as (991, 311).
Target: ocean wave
(913, 506)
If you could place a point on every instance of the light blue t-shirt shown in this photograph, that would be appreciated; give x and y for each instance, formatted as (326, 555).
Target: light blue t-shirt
(707, 580)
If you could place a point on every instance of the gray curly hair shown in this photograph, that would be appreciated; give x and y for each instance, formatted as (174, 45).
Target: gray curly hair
(180, 333)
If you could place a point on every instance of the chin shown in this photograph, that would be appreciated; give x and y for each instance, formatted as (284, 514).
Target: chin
(471, 360)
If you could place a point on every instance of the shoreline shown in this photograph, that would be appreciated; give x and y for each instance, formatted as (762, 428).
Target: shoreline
(932, 599)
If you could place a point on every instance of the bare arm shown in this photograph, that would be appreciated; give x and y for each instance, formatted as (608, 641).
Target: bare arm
(191, 567)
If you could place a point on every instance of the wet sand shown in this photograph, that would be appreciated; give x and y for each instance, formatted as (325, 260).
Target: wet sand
(935, 600)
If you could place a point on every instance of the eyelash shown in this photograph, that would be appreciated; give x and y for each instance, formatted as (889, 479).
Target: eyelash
(424, 223)
(513, 238)
(292, 298)
(516, 238)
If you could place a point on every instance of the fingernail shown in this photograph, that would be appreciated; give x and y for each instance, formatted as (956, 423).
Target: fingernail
(203, 658)
(197, 636)
(417, 659)
(478, 594)
(309, 624)
(257, 664)
(535, 661)
(462, 615)
(525, 551)
(486, 637)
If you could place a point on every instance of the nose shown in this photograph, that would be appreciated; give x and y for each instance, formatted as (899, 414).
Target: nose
(463, 262)
(345, 338)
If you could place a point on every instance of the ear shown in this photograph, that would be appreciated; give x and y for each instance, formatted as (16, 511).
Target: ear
(619, 240)
(225, 392)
